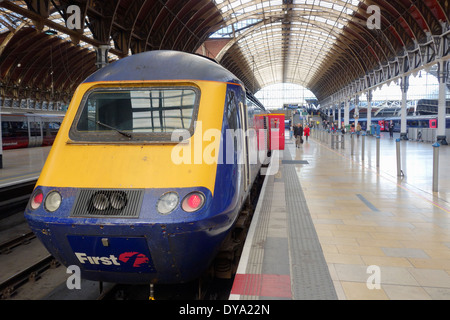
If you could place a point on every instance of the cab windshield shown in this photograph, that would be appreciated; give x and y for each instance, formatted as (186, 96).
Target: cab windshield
(135, 114)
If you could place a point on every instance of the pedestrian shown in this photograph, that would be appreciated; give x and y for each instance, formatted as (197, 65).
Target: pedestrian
(358, 130)
(307, 132)
(391, 129)
(297, 135)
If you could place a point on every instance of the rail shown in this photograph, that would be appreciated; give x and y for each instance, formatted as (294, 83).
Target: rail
(32, 273)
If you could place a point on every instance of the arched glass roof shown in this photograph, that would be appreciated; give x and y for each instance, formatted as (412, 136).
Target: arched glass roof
(323, 45)
(320, 44)
(287, 41)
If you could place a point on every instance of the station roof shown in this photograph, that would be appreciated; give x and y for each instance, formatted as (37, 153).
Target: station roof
(324, 45)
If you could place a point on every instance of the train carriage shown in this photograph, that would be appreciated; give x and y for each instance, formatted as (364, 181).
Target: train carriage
(26, 130)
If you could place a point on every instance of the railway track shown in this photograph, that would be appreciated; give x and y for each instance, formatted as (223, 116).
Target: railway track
(20, 262)
(30, 274)
(23, 239)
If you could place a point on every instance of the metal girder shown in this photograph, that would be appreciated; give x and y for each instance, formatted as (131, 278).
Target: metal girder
(126, 26)
(423, 56)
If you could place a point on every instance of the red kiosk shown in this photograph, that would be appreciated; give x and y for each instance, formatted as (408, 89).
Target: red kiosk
(274, 124)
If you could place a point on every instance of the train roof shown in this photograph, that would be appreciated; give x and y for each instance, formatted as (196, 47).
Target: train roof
(163, 65)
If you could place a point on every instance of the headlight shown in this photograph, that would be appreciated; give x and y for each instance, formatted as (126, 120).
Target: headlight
(36, 199)
(193, 202)
(167, 203)
(52, 201)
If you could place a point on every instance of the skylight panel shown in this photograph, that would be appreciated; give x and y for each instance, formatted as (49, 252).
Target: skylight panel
(349, 11)
(326, 4)
(251, 8)
(234, 4)
(338, 7)
(276, 2)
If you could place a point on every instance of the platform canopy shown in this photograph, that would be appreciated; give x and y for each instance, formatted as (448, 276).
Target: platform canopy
(332, 47)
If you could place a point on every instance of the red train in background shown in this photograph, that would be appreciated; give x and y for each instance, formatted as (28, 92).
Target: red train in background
(26, 130)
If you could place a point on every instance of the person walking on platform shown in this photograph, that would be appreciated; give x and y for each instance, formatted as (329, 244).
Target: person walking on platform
(307, 132)
(298, 133)
(391, 129)
(358, 130)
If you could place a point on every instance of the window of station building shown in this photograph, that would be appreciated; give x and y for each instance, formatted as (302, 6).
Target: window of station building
(278, 95)
(136, 114)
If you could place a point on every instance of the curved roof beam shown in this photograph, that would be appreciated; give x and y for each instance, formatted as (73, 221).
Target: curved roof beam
(326, 42)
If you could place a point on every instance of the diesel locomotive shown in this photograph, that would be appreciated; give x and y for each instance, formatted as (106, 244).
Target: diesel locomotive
(149, 170)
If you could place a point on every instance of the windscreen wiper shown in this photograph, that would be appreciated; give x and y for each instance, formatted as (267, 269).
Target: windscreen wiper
(126, 134)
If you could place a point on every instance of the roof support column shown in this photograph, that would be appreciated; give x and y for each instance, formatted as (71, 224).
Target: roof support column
(369, 110)
(102, 56)
(443, 75)
(404, 87)
(347, 112)
(339, 114)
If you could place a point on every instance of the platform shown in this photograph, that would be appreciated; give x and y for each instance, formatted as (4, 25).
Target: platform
(330, 225)
(22, 165)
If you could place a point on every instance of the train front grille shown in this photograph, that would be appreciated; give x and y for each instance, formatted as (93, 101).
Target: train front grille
(115, 203)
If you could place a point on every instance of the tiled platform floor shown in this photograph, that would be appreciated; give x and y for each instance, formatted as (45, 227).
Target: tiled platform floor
(365, 216)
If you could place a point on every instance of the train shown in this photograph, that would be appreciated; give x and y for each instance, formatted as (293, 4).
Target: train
(149, 169)
(427, 121)
(26, 130)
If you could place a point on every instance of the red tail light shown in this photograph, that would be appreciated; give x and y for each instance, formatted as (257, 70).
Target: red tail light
(36, 199)
(193, 202)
